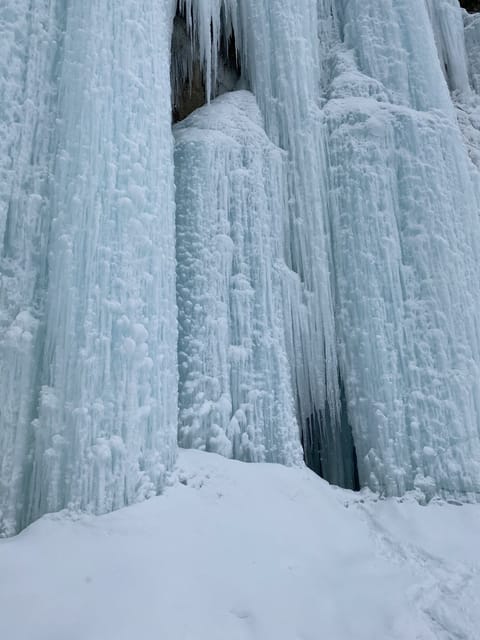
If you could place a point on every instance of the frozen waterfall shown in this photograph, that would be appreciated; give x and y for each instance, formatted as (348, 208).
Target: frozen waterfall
(87, 295)
(235, 388)
(324, 256)
(382, 230)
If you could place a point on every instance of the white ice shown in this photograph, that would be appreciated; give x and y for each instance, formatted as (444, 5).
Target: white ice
(87, 296)
(235, 393)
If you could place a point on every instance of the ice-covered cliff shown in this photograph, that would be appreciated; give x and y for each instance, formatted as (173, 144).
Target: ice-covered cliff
(381, 308)
(87, 295)
(235, 392)
(327, 244)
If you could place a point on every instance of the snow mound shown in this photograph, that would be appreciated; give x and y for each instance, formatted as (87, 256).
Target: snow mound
(233, 551)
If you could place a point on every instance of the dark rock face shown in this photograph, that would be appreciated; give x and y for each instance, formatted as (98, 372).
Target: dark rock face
(188, 86)
(191, 96)
(472, 6)
(187, 75)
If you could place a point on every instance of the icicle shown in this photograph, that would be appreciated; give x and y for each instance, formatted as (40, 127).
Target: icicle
(204, 24)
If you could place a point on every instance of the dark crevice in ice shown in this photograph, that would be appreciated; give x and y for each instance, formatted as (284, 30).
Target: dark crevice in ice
(187, 71)
(188, 85)
(328, 445)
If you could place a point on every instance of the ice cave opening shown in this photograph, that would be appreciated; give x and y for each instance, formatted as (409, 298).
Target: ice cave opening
(328, 445)
(190, 86)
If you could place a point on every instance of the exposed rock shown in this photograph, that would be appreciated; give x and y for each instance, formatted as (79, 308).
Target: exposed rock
(472, 6)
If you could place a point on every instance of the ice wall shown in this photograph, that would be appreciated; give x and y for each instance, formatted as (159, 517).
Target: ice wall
(404, 204)
(235, 388)
(382, 231)
(88, 411)
(343, 237)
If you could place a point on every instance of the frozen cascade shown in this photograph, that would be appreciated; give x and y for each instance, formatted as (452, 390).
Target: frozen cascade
(382, 228)
(364, 164)
(278, 46)
(88, 411)
(235, 389)
(404, 204)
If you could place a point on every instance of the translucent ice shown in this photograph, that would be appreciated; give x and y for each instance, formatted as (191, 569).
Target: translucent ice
(88, 325)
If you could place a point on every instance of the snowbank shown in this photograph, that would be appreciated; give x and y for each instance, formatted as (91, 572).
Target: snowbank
(234, 551)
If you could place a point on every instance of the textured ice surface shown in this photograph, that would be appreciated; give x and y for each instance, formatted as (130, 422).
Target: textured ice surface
(26, 116)
(382, 228)
(235, 389)
(406, 238)
(367, 189)
(88, 326)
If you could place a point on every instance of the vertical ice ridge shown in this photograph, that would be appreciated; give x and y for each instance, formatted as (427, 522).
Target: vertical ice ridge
(107, 420)
(405, 231)
(89, 408)
(283, 63)
(458, 43)
(235, 390)
(27, 95)
(392, 43)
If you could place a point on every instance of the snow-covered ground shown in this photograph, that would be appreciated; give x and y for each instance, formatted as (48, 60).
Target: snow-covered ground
(233, 551)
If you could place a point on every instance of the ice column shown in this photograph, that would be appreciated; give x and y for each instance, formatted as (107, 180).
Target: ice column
(447, 23)
(282, 46)
(472, 43)
(98, 424)
(27, 115)
(235, 388)
(406, 252)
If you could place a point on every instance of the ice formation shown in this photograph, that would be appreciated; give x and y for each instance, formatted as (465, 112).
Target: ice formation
(88, 409)
(327, 236)
(405, 233)
(235, 390)
(382, 230)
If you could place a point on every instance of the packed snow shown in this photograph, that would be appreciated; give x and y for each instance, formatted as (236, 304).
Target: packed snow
(236, 551)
